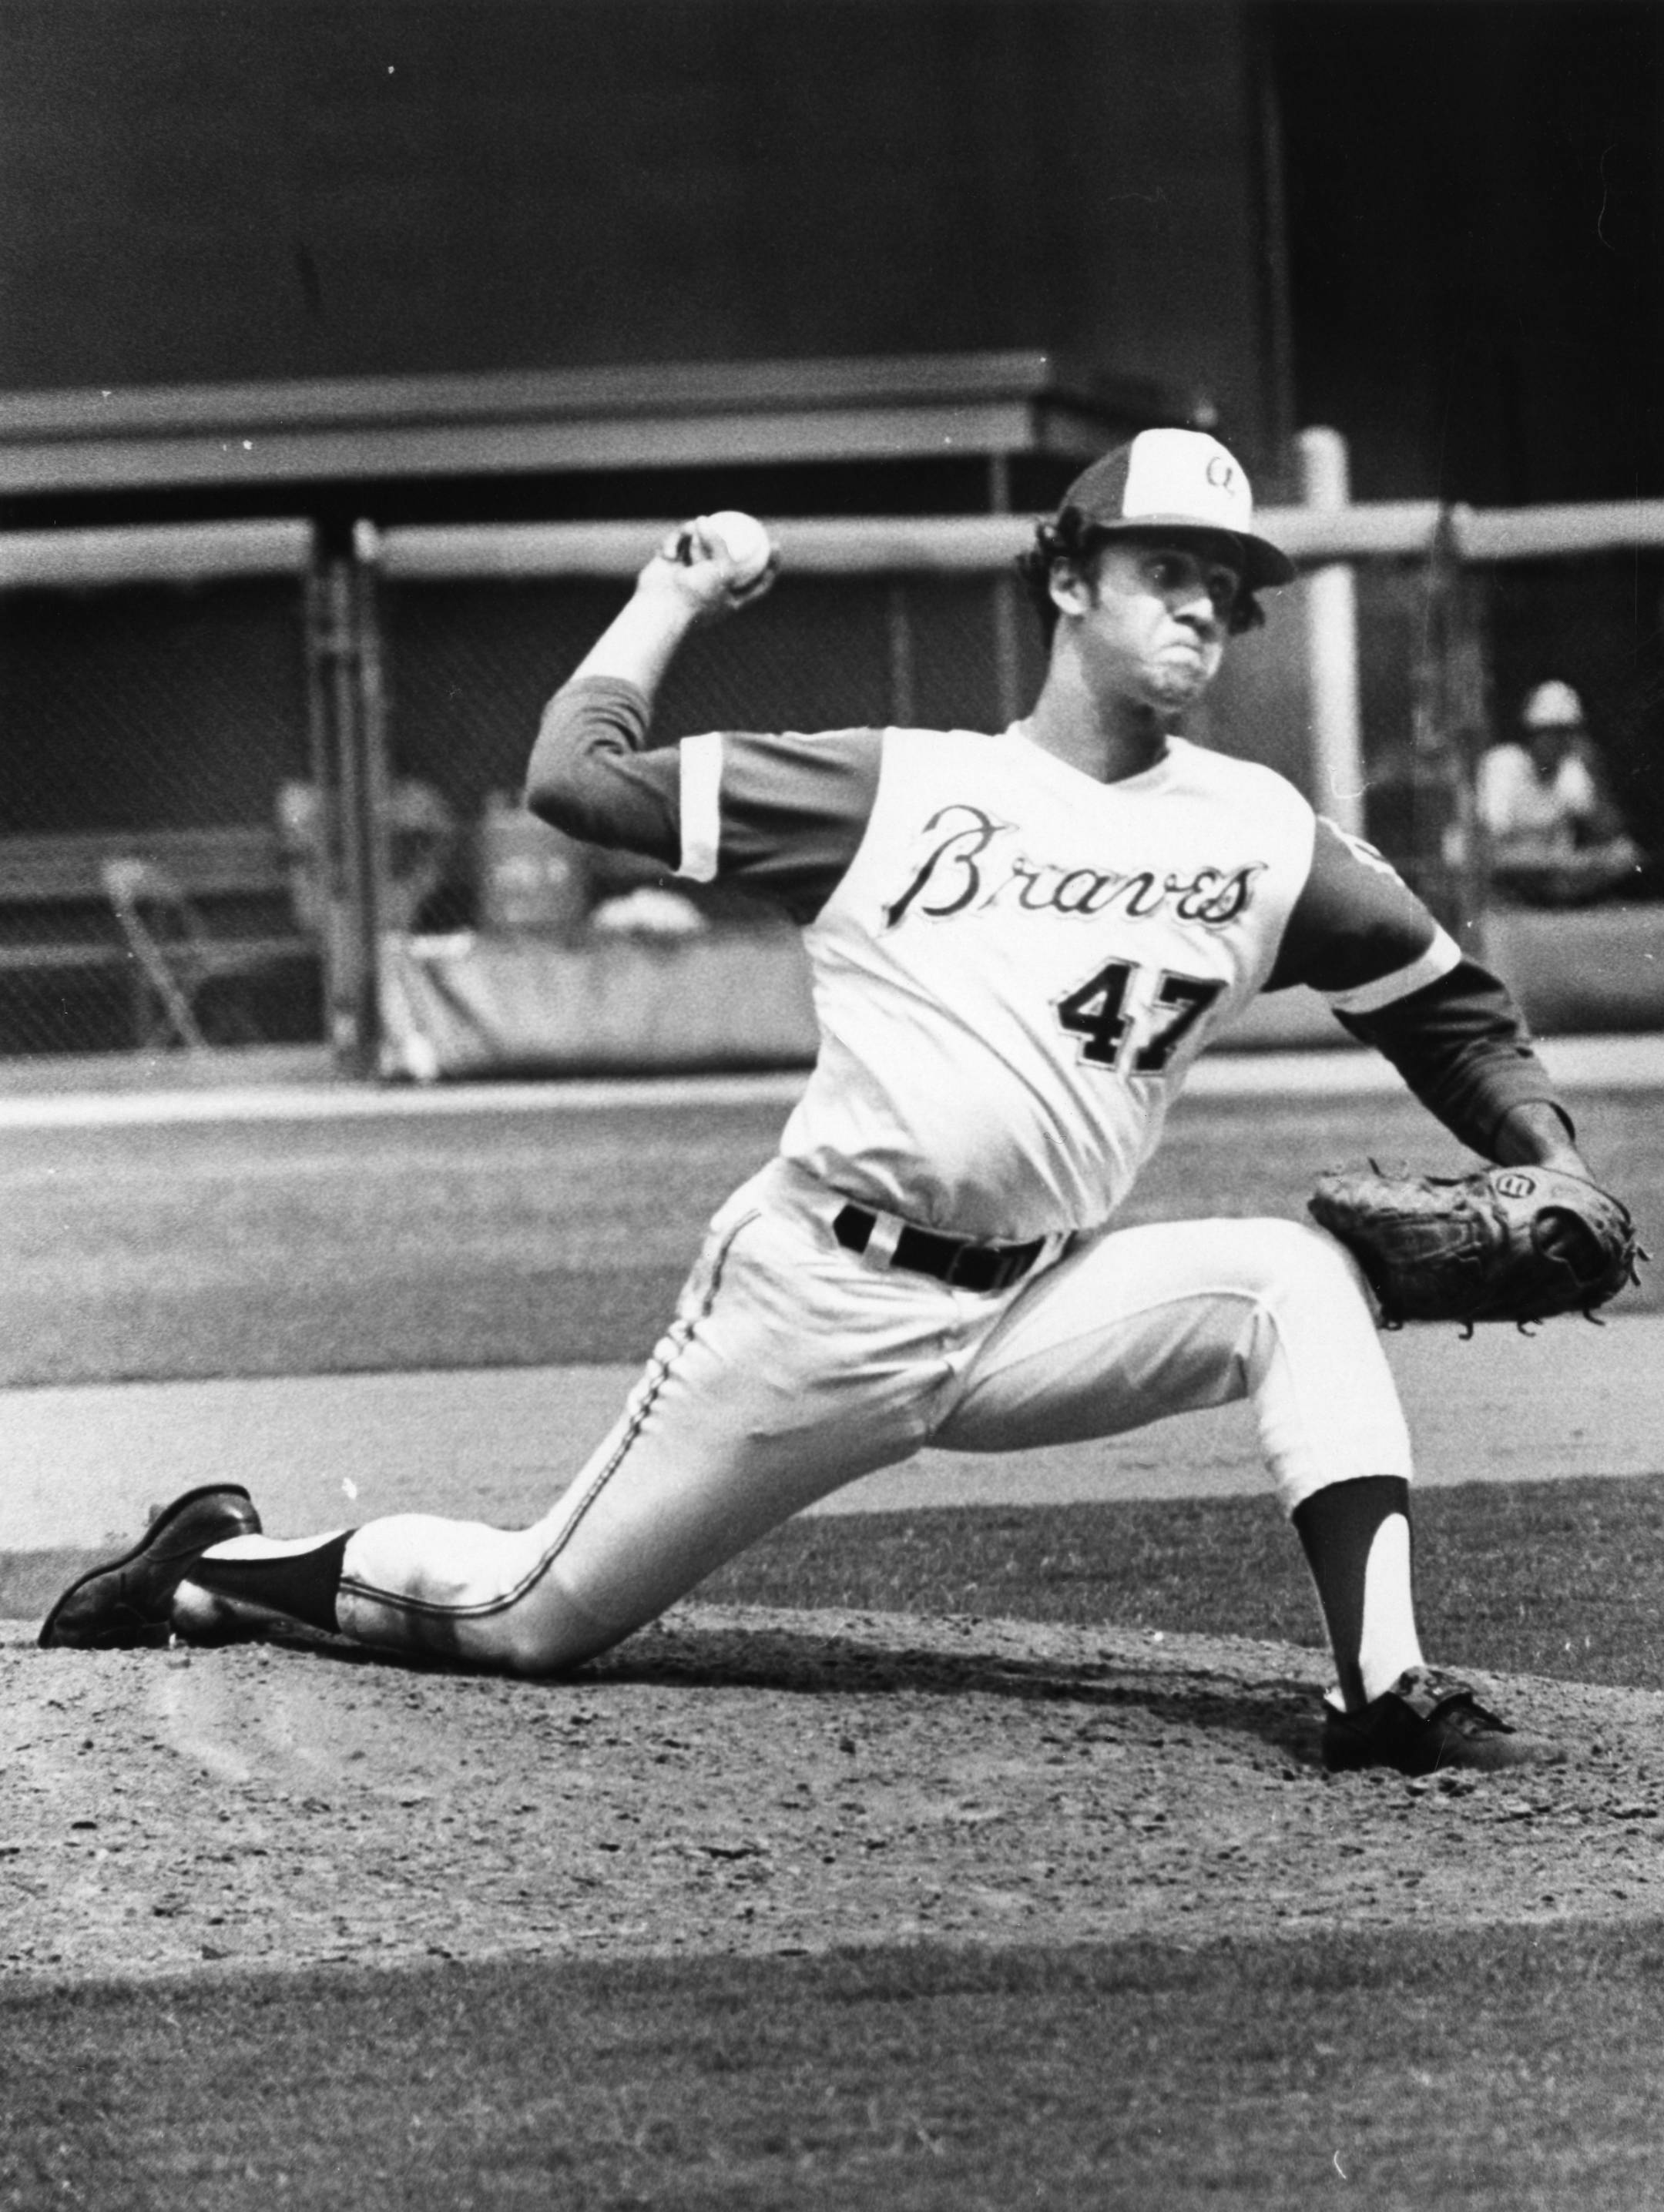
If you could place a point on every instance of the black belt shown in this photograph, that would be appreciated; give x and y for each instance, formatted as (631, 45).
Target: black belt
(949, 1259)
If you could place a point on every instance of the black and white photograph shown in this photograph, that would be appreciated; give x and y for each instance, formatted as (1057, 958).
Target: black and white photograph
(831, 1023)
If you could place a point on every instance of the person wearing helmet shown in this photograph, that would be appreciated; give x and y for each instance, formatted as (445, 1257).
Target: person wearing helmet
(1553, 837)
(1020, 940)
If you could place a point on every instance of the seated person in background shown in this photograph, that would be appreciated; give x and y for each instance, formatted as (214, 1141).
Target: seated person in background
(1555, 837)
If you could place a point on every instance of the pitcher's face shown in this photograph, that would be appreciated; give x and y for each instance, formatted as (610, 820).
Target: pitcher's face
(1153, 618)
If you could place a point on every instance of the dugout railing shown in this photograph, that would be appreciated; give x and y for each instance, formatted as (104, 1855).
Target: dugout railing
(328, 745)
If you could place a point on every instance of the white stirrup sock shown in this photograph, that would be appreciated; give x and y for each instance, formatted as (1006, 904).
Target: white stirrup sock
(1389, 1643)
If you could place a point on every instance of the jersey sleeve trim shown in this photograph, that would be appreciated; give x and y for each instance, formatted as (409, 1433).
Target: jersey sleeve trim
(701, 806)
(780, 815)
(1440, 956)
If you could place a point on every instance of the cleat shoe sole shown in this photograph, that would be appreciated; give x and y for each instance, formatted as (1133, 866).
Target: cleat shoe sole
(128, 1601)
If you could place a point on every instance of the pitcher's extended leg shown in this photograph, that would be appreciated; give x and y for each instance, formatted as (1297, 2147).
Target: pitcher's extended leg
(1179, 1315)
(787, 1372)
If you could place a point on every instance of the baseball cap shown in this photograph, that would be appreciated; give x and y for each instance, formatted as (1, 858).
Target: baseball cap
(1181, 480)
(1553, 706)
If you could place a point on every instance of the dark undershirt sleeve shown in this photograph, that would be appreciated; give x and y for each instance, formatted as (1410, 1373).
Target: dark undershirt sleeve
(1359, 935)
(781, 815)
(1460, 1045)
(592, 775)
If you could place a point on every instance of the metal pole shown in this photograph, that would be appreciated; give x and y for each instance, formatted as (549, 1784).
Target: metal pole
(314, 854)
(1008, 655)
(365, 795)
(1470, 735)
(351, 755)
(1331, 642)
(1448, 729)
(329, 702)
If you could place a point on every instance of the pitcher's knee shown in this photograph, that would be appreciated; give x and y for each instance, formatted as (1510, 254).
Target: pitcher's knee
(1305, 1301)
(487, 1597)
(1324, 1395)
(541, 1633)
(1298, 1259)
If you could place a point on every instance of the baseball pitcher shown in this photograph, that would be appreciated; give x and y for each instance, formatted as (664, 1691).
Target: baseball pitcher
(1020, 943)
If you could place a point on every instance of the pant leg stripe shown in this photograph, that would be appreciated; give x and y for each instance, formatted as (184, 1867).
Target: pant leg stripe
(682, 1333)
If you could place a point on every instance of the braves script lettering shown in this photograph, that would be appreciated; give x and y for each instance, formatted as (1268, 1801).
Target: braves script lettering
(973, 865)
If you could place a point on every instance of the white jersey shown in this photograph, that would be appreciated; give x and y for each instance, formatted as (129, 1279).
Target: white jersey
(1015, 965)
(1019, 966)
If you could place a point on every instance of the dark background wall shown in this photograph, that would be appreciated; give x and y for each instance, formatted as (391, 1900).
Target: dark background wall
(1452, 253)
(198, 191)
(1474, 195)
(1475, 224)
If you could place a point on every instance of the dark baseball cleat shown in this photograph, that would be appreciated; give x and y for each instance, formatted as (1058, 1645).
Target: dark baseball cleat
(129, 1600)
(1429, 1723)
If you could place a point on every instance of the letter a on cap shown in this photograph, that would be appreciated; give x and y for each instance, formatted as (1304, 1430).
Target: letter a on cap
(1183, 481)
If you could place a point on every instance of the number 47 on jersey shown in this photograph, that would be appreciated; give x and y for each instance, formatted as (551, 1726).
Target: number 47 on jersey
(1131, 1043)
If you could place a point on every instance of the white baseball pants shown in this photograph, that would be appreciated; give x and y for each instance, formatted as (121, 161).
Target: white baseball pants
(793, 1366)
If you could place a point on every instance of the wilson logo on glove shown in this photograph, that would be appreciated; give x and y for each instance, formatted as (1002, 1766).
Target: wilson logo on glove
(1514, 1186)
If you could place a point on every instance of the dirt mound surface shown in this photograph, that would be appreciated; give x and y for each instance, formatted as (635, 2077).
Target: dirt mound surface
(745, 1780)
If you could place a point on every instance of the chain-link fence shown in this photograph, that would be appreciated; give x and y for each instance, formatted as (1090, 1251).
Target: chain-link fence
(317, 758)
(469, 659)
(1593, 621)
(156, 699)
(1538, 634)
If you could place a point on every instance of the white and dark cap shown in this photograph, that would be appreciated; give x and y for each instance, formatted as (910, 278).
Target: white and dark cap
(1181, 483)
(1553, 706)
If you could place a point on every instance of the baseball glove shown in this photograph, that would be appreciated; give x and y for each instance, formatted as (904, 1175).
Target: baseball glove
(1505, 1243)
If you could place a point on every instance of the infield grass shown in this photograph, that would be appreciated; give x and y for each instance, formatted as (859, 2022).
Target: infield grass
(202, 1249)
(1277, 2075)
(1559, 1578)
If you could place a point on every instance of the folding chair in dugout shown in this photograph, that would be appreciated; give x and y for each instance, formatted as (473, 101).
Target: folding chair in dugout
(175, 957)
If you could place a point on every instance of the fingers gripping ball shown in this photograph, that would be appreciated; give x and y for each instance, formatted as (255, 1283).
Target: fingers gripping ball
(1507, 1243)
(742, 539)
(732, 554)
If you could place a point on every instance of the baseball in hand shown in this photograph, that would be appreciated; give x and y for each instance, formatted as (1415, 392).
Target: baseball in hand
(744, 540)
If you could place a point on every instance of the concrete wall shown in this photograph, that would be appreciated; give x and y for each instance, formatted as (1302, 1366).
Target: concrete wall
(198, 192)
